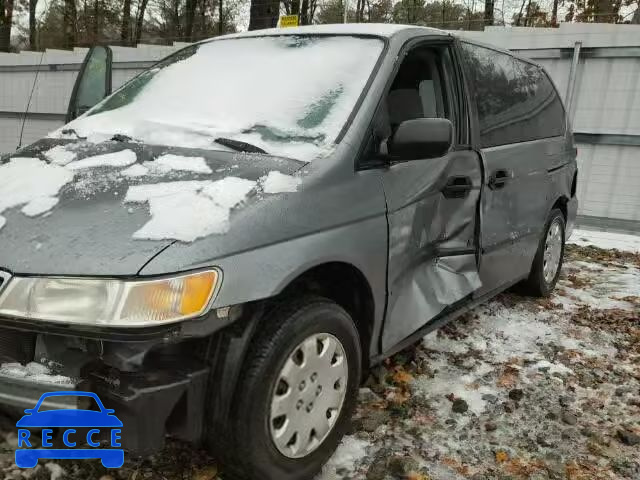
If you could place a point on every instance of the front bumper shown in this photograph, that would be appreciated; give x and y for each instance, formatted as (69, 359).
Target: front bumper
(165, 394)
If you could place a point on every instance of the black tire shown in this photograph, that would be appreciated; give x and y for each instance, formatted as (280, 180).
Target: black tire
(251, 453)
(536, 285)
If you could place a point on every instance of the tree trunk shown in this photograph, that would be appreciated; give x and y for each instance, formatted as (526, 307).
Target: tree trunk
(6, 20)
(304, 17)
(554, 14)
(527, 19)
(142, 6)
(125, 35)
(221, 16)
(488, 12)
(69, 22)
(295, 7)
(190, 15)
(636, 16)
(33, 42)
(264, 14)
(519, 17)
(96, 21)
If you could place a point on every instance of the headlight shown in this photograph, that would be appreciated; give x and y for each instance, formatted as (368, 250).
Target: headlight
(120, 303)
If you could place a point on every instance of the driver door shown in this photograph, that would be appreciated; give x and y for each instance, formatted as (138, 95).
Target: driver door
(432, 203)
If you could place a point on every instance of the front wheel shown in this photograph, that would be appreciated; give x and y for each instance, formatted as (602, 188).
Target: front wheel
(297, 392)
(548, 260)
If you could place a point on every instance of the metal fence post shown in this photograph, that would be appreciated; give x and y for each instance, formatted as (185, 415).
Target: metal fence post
(571, 83)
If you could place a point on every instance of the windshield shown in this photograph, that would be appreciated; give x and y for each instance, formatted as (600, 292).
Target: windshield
(288, 95)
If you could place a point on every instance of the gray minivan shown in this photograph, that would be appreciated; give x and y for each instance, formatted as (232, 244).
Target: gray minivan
(222, 247)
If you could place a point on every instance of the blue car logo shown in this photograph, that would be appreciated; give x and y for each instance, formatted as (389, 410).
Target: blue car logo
(72, 424)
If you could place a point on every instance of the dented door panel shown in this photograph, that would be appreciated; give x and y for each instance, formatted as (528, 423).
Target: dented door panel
(432, 240)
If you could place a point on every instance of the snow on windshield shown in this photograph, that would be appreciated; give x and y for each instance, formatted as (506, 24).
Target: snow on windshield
(288, 95)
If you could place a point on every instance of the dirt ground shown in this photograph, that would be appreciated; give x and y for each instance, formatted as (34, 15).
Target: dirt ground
(520, 388)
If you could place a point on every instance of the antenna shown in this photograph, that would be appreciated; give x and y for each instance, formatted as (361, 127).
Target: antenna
(26, 110)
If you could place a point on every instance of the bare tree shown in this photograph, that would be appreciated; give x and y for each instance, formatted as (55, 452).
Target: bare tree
(6, 21)
(519, 16)
(33, 27)
(221, 16)
(69, 23)
(125, 29)
(189, 16)
(488, 12)
(264, 14)
(142, 7)
(554, 14)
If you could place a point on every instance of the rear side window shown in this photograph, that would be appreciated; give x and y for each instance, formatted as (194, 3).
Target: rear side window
(516, 101)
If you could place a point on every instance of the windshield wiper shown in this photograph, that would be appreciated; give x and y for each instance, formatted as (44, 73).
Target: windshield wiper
(239, 146)
(122, 138)
(72, 131)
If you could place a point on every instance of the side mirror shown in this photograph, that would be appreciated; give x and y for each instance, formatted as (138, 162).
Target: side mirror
(29, 411)
(421, 138)
(93, 83)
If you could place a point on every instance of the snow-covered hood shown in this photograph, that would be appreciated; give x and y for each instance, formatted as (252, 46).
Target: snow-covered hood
(80, 208)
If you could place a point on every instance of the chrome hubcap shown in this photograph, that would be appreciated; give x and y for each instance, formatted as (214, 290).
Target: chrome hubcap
(308, 396)
(552, 251)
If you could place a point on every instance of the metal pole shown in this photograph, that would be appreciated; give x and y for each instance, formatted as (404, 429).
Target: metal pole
(571, 83)
(346, 10)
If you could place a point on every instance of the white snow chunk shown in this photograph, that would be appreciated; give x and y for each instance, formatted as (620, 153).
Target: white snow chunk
(57, 472)
(34, 371)
(3, 221)
(39, 205)
(27, 180)
(60, 155)
(552, 367)
(184, 216)
(170, 162)
(188, 210)
(135, 170)
(122, 158)
(13, 370)
(606, 240)
(276, 182)
(229, 191)
(143, 193)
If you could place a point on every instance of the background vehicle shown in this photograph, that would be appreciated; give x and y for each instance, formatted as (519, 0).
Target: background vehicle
(451, 179)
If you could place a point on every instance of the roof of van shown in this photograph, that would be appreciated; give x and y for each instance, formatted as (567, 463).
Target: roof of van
(379, 29)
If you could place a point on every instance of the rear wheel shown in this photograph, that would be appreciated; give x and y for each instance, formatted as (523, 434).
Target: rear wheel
(297, 393)
(548, 260)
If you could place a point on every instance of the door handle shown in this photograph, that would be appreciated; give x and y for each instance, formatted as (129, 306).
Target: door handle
(457, 187)
(499, 179)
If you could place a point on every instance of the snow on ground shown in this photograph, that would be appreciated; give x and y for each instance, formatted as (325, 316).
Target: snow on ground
(607, 240)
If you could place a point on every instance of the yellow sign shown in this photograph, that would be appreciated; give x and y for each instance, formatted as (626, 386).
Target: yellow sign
(288, 21)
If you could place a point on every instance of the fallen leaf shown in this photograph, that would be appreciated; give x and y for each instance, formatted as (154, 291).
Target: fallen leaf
(501, 456)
